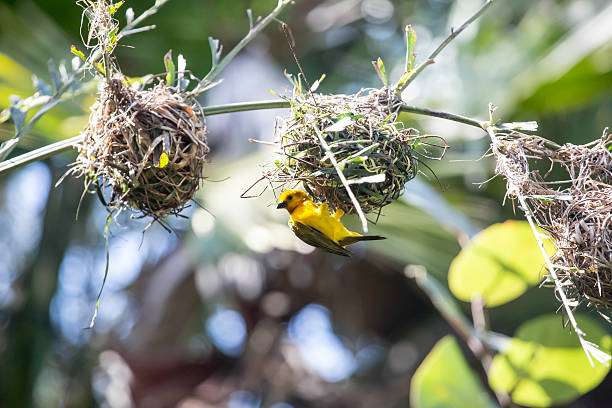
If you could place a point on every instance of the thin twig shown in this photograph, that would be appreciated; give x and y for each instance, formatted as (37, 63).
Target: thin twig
(253, 31)
(454, 33)
(147, 13)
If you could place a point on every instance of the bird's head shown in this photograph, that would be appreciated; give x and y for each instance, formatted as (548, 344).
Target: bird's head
(290, 199)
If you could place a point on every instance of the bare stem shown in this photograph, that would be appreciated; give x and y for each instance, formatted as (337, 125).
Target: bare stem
(39, 154)
(245, 106)
(454, 33)
(444, 115)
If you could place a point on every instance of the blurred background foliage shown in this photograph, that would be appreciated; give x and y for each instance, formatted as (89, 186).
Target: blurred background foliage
(230, 309)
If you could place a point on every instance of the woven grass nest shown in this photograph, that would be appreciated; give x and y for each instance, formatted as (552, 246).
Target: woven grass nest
(374, 151)
(147, 146)
(571, 198)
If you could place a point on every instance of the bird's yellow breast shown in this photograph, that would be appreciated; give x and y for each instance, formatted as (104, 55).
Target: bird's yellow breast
(318, 217)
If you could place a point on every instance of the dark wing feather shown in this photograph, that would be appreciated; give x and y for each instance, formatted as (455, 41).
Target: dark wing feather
(351, 240)
(316, 238)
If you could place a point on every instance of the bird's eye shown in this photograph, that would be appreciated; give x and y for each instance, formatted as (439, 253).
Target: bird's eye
(290, 197)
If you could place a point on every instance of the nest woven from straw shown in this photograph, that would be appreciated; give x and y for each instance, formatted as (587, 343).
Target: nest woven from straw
(576, 210)
(374, 151)
(148, 146)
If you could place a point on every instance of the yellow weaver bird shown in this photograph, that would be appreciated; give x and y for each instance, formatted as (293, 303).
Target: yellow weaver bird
(314, 225)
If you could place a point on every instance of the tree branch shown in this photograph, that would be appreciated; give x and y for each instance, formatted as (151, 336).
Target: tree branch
(431, 59)
(65, 145)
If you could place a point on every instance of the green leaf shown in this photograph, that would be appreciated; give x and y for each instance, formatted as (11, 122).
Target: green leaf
(340, 125)
(316, 83)
(170, 68)
(4, 116)
(380, 70)
(16, 112)
(410, 42)
(18, 116)
(499, 264)
(182, 82)
(545, 364)
(77, 52)
(215, 48)
(445, 380)
(99, 66)
(41, 86)
(112, 39)
(112, 9)
(55, 76)
(403, 78)
(377, 178)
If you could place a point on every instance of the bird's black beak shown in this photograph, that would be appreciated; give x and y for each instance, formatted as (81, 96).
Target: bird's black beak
(282, 204)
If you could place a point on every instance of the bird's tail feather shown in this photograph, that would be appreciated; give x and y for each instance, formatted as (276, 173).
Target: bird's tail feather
(351, 240)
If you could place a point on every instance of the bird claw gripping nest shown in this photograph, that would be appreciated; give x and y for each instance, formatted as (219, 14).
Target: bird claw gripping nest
(147, 146)
(373, 150)
(573, 205)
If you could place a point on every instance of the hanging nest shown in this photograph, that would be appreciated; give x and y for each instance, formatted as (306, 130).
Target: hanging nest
(571, 198)
(147, 146)
(374, 151)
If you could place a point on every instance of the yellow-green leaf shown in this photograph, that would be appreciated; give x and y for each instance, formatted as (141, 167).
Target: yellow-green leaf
(545, 364)
(112, 41)
(382, 71)
(499, 265)
(163, 161)
(410, 42)
(170, 68)
(100, 67)
(112, 9)
(77, 52)
(444, 379)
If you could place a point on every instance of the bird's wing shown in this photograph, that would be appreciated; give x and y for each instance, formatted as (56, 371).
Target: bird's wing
(316, 238)
(351, 240)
